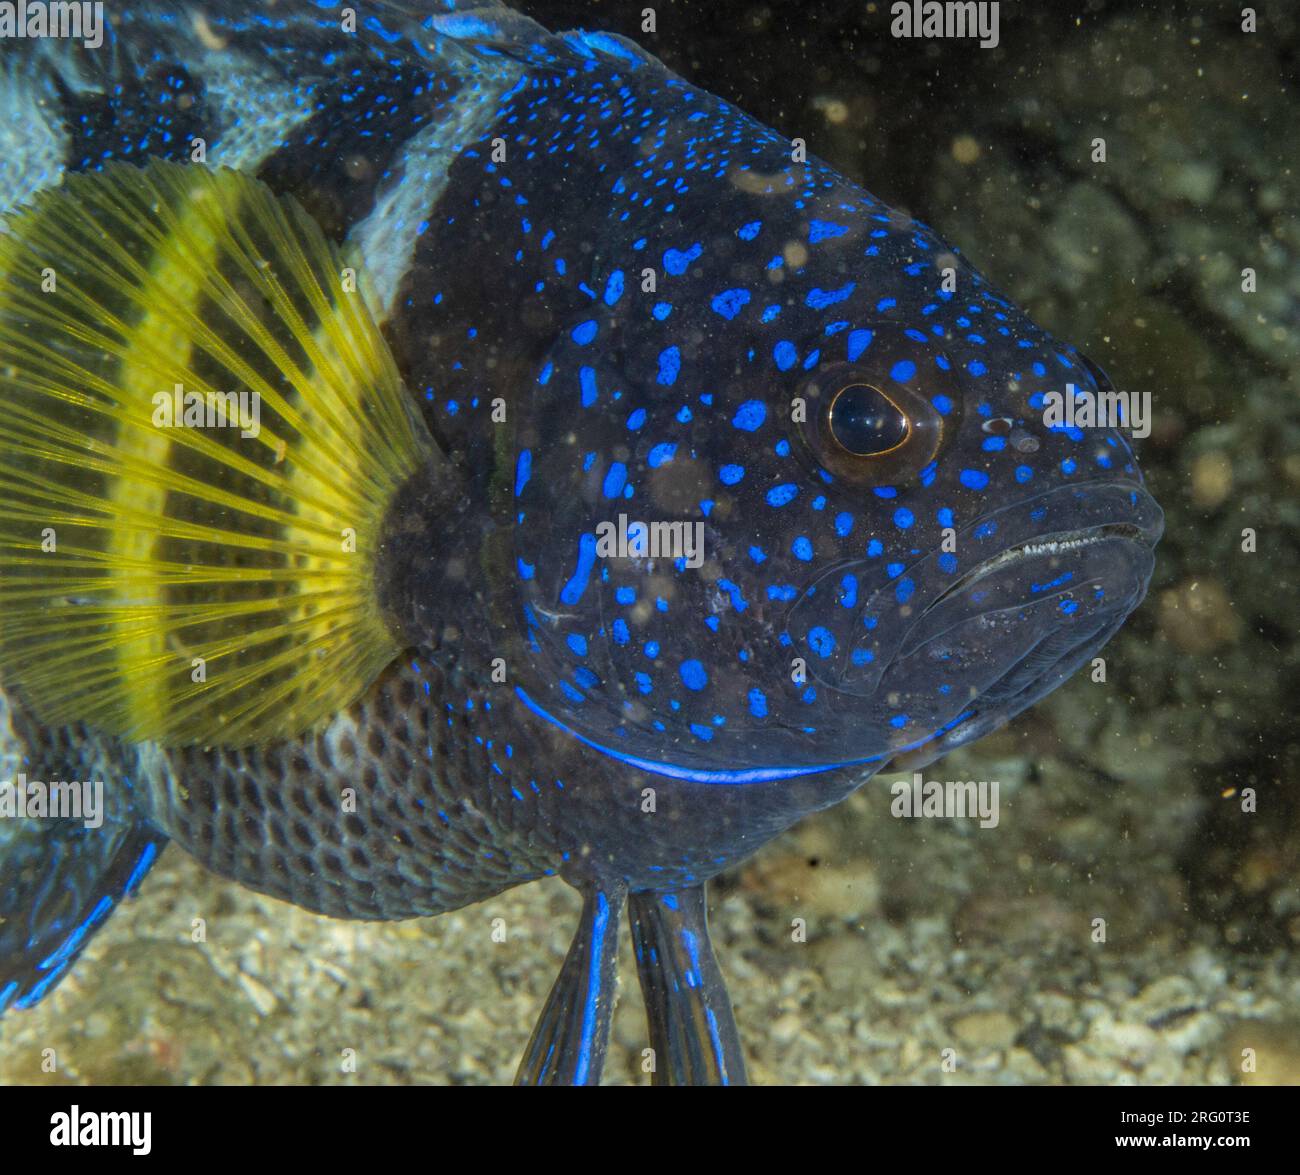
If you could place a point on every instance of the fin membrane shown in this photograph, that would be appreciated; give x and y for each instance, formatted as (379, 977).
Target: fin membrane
(203, 428)
(60, 883)
(692, 1027)
(569, 1042)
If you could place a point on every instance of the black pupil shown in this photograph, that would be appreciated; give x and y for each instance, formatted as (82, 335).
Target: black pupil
(866, 422)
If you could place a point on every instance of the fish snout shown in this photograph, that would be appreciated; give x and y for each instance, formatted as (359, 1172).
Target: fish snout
(1032, 586)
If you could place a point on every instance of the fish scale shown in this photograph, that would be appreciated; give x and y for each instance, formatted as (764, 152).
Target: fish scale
(608, 296)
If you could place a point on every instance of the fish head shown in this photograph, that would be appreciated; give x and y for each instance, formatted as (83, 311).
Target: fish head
(885, 548)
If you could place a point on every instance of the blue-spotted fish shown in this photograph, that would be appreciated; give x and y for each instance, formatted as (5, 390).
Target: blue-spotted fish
(437, 453)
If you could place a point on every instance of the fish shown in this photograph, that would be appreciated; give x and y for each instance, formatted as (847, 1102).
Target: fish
(439, 453)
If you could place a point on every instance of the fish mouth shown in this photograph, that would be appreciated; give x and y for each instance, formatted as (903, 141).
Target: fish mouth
(1067, 554)
(1019, 623)
(1058, 545)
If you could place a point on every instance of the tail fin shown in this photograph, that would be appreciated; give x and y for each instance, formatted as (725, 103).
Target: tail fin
(60, 878)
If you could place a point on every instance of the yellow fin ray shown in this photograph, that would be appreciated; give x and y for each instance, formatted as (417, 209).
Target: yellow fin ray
(202, 432)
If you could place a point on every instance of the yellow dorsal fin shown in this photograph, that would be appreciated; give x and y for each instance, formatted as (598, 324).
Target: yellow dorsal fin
(201, 429)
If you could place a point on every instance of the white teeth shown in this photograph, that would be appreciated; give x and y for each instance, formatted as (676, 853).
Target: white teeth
(1065, 542)
(1025, 550)
(1051, 548)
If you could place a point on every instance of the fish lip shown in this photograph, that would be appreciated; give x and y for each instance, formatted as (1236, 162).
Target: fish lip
(1056, 542)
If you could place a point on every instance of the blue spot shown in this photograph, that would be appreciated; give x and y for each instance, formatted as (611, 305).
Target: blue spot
(819, 299)
(902, 371)
(574, 589)
(694, 676)
(636, 419)
(523, 470)
(670, 363)
(737, 597)
(782, 495)
(662, 310)
(577, 643)
(821, 641)
(1023, 473)
(587, 382)
(615, 480)
(785, 355)
(614, 287)
(843, 524)
(676, 261)
(730, 302)
(584, 332)
(757, 703)
(942, 404)
(802, 548)
(858, 341)
(747, 232)
(750, 415)
(731, 474)
(661, 454)
(974, 479)
(821, 230)
(903, 518)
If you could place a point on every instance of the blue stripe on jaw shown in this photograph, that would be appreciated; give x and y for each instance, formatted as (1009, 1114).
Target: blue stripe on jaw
(749, 775)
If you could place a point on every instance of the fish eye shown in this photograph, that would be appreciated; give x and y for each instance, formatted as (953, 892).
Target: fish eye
(880, 422)
(865, 422)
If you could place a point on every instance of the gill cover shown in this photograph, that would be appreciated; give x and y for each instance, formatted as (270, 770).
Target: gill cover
(202, 429)
(703, 665)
